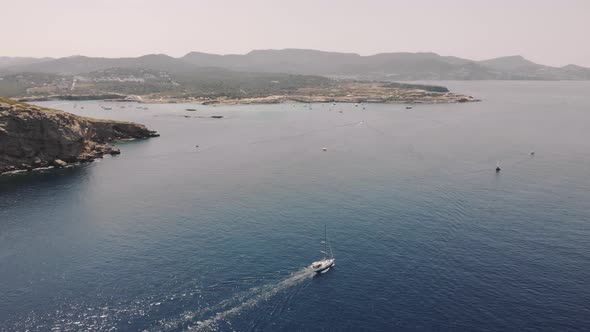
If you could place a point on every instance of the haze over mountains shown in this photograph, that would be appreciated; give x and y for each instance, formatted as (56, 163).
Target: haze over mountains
(385, 66)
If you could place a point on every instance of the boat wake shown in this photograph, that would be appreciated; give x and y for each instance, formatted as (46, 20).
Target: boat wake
(193, 320)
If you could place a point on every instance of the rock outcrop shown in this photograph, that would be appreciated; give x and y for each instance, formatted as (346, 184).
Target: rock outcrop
(33, 137)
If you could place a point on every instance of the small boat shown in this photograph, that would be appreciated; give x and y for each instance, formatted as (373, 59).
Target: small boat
(532, 153)
(498, 169)
(408, 107)
(325, 149)
(323, 265)
(191, 109)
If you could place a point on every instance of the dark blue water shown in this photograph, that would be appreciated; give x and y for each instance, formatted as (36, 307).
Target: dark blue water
(426, 235)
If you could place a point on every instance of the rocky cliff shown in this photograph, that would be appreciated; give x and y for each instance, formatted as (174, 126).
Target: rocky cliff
(32, 136)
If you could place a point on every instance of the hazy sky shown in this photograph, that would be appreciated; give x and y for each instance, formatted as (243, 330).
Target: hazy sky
(554, 32)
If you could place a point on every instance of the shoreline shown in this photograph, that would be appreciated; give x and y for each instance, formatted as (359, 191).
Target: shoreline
(349, 92)
(448, 98)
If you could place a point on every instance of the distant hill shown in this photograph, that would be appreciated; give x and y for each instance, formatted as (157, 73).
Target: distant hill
(517, 67)
(286, 61)
(82, 64)
(395, 66)
(390, 66)
(146, 75)
(6, 62)
(258, 63)
(510, 63)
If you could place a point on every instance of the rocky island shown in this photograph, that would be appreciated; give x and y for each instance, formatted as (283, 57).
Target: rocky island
(34, 137)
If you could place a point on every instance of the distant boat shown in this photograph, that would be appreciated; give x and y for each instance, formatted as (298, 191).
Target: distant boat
(498, 169)
(532, 153)
(327, 262)
(191, 109)
(325, 149)
(408, 107)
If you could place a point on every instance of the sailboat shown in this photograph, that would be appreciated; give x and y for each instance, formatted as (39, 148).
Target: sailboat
(327, 262)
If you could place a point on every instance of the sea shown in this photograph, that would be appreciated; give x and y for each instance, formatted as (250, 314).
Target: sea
(212, 226)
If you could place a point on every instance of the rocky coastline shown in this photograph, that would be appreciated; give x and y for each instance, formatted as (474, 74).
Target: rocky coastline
(36, 137)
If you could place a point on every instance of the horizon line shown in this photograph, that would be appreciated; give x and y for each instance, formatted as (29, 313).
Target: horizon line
(286, 49)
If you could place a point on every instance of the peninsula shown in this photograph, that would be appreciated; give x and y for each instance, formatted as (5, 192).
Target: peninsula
(35, 137)
(356, 92)
(335, 92)
(163, 79)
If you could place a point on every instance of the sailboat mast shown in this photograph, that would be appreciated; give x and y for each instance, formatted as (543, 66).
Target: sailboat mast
(325, 240)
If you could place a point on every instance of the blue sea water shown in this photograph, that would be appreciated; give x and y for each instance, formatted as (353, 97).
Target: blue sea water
(427, 236)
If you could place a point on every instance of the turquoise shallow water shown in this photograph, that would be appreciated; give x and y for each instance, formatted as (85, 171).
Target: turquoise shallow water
(427, 236)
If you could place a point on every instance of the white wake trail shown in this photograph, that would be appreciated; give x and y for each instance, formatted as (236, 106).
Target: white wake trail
(258, 295)
(233, 306)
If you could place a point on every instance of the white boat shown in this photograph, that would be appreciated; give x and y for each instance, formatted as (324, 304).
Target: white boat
(323, 265)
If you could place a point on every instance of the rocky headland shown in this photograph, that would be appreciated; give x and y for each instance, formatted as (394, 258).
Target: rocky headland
(35, 137)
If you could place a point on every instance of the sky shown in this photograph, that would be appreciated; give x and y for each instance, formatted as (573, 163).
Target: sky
(549, 32)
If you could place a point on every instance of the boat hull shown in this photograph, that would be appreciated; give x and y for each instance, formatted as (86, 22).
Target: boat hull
(323, 265)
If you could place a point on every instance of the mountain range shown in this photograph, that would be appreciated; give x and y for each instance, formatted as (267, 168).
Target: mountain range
(384, 66)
